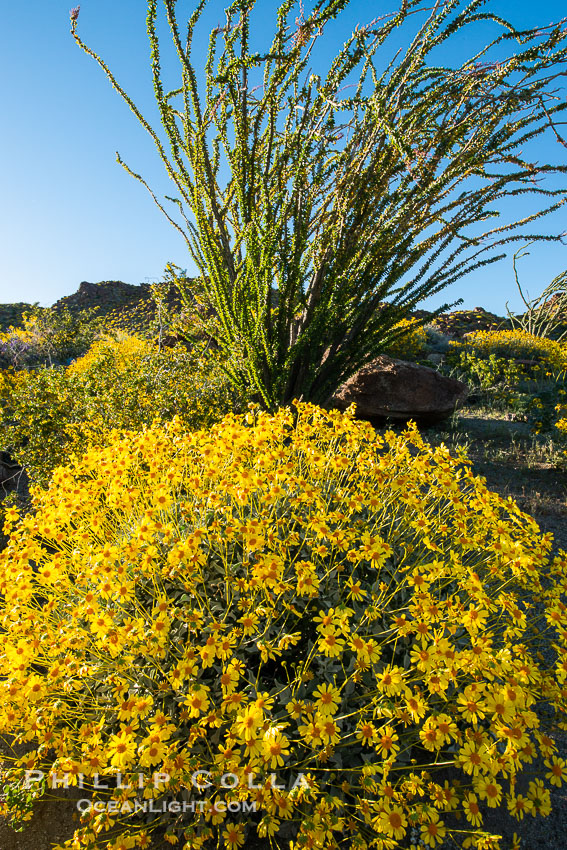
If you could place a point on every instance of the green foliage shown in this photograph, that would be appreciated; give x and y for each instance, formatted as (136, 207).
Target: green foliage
(498, 361)
(123, 383)
(338, 199)
(18, 799)
(35, 407)
(486, 373)
(534, 353)
(518, 373)
(412, 344)
(48, 336)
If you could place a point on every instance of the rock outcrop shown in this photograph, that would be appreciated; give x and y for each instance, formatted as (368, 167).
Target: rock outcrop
(106, 295)
(455, 325)
(400, 391)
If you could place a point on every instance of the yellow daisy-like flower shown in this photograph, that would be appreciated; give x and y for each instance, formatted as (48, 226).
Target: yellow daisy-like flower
(393, 822)
(489, 790)
(331, 645)
(229, 680)
(233, 835)
(557, 773)
(474, 758)
(367, 733)
(328, 730)
(518, 806)
(472, 811)
(385, 742)
(275, 746)
(433, 831)
(121, 749)
(416, 706)
(391, 681)
(540, 797)
(197, 700)
(328, 698)
(247, 723)
(249, 623)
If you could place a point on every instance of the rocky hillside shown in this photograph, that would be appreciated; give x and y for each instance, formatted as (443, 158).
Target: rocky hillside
(127, 303)
(455, 325)
(125, 300)
(105, 296)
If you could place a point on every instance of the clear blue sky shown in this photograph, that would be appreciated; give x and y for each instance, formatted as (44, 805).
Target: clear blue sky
(69, 212)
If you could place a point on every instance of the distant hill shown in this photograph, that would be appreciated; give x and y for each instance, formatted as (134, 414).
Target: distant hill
(130, 306)
(106, 296)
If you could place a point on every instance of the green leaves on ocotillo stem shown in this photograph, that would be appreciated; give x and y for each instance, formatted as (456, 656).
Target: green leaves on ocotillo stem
(320, 211)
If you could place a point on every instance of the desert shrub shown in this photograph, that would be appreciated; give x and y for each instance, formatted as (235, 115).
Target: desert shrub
(487, 373)
(47, 336)
(348, 624)
(512, 369)
(518, 372)
(542, 354)
(121, 351)
(435, 339)
(121, 383)
(35, 407)
(411, 344)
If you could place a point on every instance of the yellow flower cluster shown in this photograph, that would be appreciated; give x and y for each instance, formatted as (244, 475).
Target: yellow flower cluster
(413, 342)
(123, 349)
(561, 423)
(326, 615)
(122, 382)
(25, 334)
(518, 344)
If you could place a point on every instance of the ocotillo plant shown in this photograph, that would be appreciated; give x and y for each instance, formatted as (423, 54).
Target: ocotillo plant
(307, 203)
(545, 315)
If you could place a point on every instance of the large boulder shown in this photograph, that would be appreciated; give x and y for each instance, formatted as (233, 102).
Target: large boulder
(398, 390)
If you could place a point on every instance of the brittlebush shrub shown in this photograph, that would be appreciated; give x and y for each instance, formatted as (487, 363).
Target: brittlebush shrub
(518, 373)
(47, 336)
(412, 344)
(121, 383)
(285, 595)
(531, 354)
